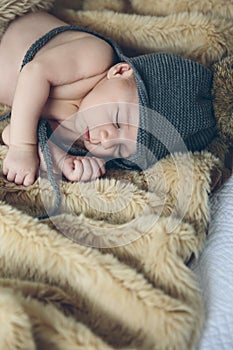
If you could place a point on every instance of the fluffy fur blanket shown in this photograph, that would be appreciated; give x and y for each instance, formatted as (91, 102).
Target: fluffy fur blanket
(111, 271)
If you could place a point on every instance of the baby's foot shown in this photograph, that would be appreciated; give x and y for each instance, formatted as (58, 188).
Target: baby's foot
(74, 168)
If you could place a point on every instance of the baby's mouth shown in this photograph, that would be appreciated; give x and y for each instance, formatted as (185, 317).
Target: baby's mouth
(87, 135)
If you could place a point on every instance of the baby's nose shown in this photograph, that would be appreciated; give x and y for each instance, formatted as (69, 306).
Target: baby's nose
(104, 135)
(107, 138)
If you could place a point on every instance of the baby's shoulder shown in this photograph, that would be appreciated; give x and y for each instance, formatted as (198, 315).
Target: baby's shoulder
(94, 51)
(82, 54)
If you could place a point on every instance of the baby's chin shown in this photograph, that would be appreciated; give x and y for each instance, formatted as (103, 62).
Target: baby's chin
(93, 150)
(88, 147)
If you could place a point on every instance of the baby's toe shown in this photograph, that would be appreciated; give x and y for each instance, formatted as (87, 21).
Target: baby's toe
(19, 179)
(29, 180)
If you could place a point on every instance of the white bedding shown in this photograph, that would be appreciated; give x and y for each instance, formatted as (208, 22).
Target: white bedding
(214, 269)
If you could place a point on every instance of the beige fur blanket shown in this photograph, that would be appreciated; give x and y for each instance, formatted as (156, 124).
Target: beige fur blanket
(110, 272)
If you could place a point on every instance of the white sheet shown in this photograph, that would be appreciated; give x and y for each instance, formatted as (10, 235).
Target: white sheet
(214, 269)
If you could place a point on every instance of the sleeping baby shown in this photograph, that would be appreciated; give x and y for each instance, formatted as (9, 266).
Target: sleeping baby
(132, 111)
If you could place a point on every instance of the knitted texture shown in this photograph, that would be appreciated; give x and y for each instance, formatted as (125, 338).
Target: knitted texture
(176, 112)
(43, 142)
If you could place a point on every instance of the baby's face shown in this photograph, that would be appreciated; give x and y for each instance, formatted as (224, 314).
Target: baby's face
(109, 118)
(111, 130)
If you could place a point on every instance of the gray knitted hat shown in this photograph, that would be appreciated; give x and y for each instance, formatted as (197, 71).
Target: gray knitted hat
(175, 107)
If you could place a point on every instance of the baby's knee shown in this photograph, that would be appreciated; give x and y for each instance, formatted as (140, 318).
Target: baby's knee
(6, 135)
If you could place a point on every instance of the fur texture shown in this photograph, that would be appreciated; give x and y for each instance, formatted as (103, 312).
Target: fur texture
(111, 270)
(196, 35)
(9, 10)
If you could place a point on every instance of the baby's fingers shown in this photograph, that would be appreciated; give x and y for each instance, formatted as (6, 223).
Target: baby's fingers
(77, 172)
(88, 168)
(91, 169)
(98, 167)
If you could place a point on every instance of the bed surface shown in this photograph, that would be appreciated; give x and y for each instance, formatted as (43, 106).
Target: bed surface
(214, 269)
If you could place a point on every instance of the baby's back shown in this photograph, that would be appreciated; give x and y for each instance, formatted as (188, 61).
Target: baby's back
(19, 36)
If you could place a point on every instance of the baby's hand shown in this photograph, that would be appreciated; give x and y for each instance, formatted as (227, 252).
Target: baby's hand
(82, 168)
(21, 164)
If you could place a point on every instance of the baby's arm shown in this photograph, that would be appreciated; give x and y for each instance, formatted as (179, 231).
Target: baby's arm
(32, 91)
(61, 65)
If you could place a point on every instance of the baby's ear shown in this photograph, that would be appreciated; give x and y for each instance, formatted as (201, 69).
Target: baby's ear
(120, 70)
